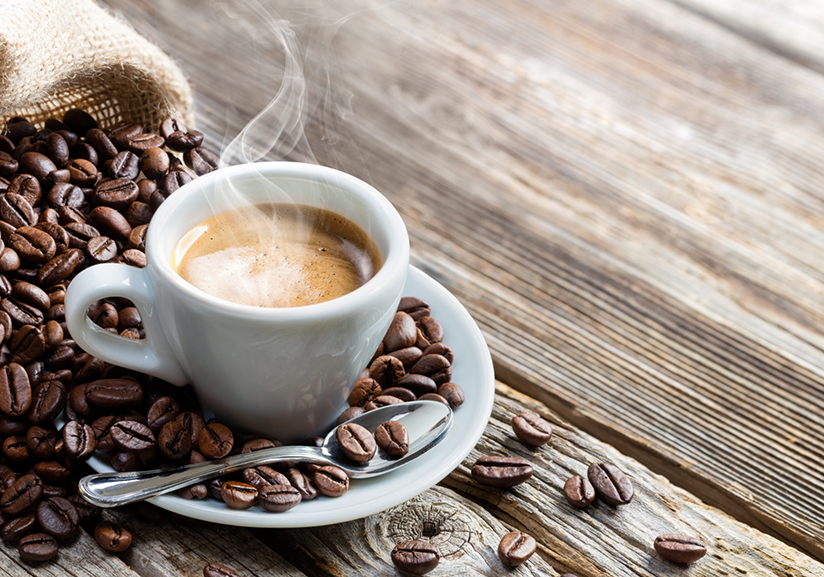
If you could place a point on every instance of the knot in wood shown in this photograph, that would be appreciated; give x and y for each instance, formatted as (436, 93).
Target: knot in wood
(442, 524)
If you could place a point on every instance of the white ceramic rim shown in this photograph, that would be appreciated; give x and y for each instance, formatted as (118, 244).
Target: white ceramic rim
(394, 264)
(472, 370)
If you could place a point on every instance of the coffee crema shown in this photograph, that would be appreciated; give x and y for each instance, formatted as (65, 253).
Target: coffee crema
(277, 255)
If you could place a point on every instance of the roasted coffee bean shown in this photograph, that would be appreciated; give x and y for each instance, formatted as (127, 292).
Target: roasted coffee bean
(9, 261)
(263, 477)
(6, 145)
(154, 163)
(356, 442)
(348, 414)
(142, 142)
(111, 222)
(19, 128)
(218, 570)
(15, 449)
(15, 390)
(84, 151)
(60, 359)
(418, 384)
(364, 391)
(27, 187)
(132, 436)
(114, 394)
(79, 121)
(125, 164)
(392, 438)
(192, 422)
(22, 496)
(453, 394)
(436, 367)
(415, 557)
(182, 141)
(50, 491)
(171, 182)
(87, 512)
(58, 149)
(84, 172)
(17, 528)
(381, 401)
(51, 472)
(408, 356)
(146, 188)
(238, 495)
(48, 399)
(257, 445)
(194, 492)
(515, 548)
(278, 498)
(112, 537)
(579, 492)
(12, 426)
(16, 211)
(174, 441)
(331, 481)
(302, 483)
(80, 234)
(137, 214)
(680, 548)
(79, 440)
(162, 410)
(41, 442)
(21, 313)
(37, 547)
(137, 238)
(58, 517)
(33, 245)
(401, 393)
(531, 429)
(401, 334)
(106, 150)
(27, 344)
(429, 332)
(104, 315)
(59, 268)
(200, 160)
(8, 165)
(118, 193)
(124, 461)
(414, 307)
(611, 485)
(133, 257)
(497, 471)
(65, 194)
(58, 234)
(101, 428)
(121, 135)
(31, 294)
(215, 441)
(101, 249)
(36, 164)
(386, 370)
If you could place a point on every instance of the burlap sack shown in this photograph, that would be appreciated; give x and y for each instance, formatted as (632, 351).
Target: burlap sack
(62, 54)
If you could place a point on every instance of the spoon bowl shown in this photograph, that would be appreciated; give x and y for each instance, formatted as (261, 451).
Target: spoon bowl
(426, 422)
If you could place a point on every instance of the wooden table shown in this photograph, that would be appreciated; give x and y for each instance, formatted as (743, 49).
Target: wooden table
(627, 195)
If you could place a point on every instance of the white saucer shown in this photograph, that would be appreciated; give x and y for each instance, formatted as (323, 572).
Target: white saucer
(472, 370)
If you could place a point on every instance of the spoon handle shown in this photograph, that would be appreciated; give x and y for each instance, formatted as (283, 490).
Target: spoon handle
(113, 489)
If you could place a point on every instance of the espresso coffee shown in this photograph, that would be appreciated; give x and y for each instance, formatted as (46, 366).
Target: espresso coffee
(277, 255)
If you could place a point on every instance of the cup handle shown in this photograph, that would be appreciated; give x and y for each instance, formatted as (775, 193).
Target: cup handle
(151, 355)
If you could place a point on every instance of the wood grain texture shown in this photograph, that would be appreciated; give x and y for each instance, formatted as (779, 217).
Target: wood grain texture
(626, 195)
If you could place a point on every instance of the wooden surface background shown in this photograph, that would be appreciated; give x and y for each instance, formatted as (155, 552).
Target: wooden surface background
(628, 196)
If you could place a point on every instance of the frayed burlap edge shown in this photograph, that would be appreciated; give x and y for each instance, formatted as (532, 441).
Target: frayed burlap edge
(92, 61)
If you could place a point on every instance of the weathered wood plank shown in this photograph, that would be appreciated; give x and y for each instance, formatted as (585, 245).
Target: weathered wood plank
(599, 540)
(625, 195)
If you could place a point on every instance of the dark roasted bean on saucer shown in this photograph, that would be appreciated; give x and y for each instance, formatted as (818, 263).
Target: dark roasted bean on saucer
(356, 442)
(408, 356)
(453, 393)
(331, 481)
(401, 393)
(386, 370)
(348, 414)
(215, 441)
(392, 438)
(364, 391)
(238, 495)
(401, 334)
(418, 384)
(414, 307)
(278, 498)
(436, 367)
(381, 401)
(300, 481)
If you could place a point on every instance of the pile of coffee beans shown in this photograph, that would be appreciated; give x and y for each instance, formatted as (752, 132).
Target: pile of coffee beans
(73, 195)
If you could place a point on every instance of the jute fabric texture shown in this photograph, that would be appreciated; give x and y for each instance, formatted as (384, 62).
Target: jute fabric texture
(62, 54)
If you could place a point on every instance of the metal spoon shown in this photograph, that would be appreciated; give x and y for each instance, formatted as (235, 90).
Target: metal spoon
(426, 422)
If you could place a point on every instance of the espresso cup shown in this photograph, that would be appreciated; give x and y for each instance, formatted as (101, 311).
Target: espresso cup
(283, 372)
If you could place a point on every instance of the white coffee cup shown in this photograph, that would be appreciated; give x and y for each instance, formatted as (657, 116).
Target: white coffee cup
(284, 372)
